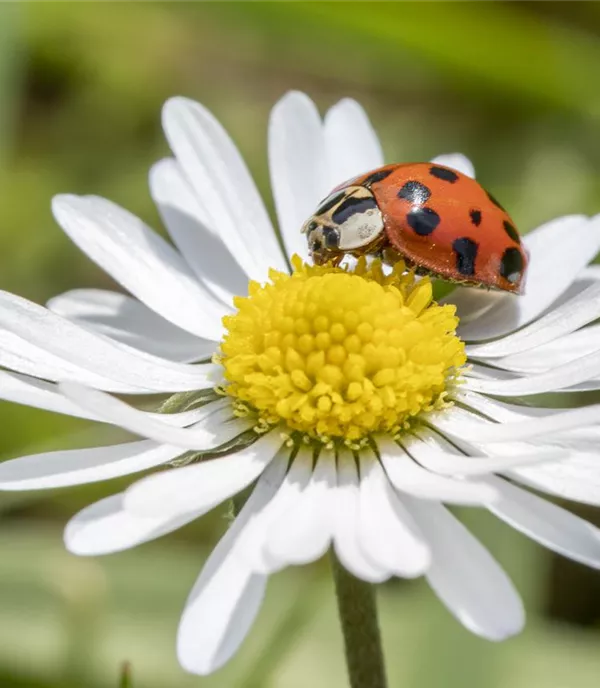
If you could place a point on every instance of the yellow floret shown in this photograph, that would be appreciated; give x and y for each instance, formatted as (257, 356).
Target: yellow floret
(335, 353)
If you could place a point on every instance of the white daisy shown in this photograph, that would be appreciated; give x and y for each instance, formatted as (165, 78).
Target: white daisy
(342, 397)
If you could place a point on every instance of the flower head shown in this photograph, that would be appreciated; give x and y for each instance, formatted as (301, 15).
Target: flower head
(336, 354)
(355, 404)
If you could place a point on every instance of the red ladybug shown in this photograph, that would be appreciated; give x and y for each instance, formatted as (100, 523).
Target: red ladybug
(438, 220)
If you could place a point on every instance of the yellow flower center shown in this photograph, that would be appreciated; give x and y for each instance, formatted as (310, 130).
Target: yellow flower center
(334, 353)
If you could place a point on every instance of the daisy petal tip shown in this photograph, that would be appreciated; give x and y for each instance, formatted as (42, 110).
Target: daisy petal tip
(419, 564)
(76, 542)
(173, 104)
(64, 203)
(295, 95)
(267, 567)
(193, 662)
(72, 543)
(159, 168)
(372, 578)
(425, 564)
(505, 631)
(293, 101)
(347, 103)
(177, 110)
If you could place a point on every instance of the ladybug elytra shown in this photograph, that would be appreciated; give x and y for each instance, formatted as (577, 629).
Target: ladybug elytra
(435, 218)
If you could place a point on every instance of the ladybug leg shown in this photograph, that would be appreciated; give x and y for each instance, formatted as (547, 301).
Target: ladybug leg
(390, 256)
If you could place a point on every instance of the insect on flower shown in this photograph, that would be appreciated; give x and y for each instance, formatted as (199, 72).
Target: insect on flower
(351, 405)
(433, 217)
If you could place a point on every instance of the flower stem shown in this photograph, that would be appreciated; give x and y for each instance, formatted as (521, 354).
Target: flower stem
(362, 639)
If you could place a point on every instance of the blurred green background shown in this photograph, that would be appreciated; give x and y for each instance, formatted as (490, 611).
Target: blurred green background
(513, 85)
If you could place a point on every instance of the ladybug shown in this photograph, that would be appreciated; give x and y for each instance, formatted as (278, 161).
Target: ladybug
(436, 219)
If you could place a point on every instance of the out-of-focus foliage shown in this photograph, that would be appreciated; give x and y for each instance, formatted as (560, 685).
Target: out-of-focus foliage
(513, 85)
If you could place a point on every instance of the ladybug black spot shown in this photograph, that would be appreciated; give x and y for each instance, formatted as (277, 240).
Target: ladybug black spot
(511, 265)
(329, 202)
(466, 252)
(494, 201)
(377, 176)
(444, 174)
(350, 207)
(475, 216)
(512, 232)
(423, 220)
(415, 192)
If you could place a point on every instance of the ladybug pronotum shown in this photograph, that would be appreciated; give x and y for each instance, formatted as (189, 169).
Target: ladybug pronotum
(435, 218)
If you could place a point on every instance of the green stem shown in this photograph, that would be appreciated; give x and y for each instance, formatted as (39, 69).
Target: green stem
(125, 680)
(362, 639)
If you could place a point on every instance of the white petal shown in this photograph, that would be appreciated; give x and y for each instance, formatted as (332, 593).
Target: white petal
(18, 354)
(102, 359)
(409, 477)
(438, 455)
(486, 372)
(475, 405)
(576, 478)
(505, 412)
(463, 424)
(587, 277)
(227, 596)
(210, 433)
(254, 549)
(207, 483)
(471, 303)
(546, 523)
(105, 527)
(351, 142)
(555, 353)
(499, 410)
(559, 250)
(303, 532)
(568, 317)
(219, 613)
(522, 429)
(457, 161)
(587, 386)
(21, 389)
(189, 227)
(223, 186)
(267, 494)
(345, 524)
(466, 578)
(298, 166)
(79, 466)
(590, 273)
(581, 371)
(583, 439)
(388, 536)
(140, 260)
(120, 317)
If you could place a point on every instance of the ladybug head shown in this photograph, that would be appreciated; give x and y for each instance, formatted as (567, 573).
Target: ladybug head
(347, 221)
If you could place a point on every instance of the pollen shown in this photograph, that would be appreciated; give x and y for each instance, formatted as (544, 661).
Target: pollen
(339, 354)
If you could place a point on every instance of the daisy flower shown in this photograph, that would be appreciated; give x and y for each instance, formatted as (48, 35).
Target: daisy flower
(355, 405)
